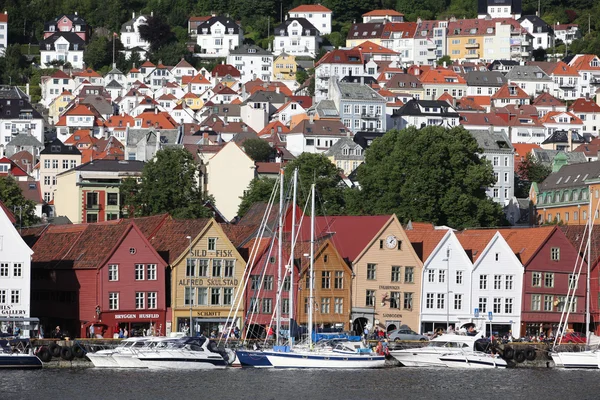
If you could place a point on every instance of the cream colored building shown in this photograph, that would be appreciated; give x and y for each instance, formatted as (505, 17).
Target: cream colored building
(54, 159)
(386, 288)
(206, 279)
(226, 175)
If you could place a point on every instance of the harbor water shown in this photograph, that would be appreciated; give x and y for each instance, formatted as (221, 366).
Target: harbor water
(388, 383)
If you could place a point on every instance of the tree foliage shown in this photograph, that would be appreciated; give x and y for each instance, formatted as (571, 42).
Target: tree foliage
(169, 185)
(258, 149)
(259, 189)
(432, 174)
(530, 170)
(12, 196)
(157, 32)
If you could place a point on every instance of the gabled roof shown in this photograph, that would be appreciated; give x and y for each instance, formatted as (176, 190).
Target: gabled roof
(170, 240)
(583, 105)
(372, 48)
(545, 99)
(340, 56)
(221, 70)
(475, 241)
(442, 76)
(58, 147)
(309, 8)
(583, 62)
(549, 118)
(525, 242)
(510, 91)
(382, 13)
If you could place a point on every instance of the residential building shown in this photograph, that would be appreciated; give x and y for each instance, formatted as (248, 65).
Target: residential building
(361, 32)
(588, 112)
(497, 279)
(17, 116)
(68, 23)
(90, 192)
(3, 32)
(207, 272)
(567, 32)
(252, 61)
(431, 41)
(531, 78)
(319, 16)
(65, 47)
(500, 152)
(588, 66)
(193, 23)
(482, 83)
(285, 67)
(54, 159)
(563, 121)
(499, 9)
(384, 15)
(400, 37)
(218, 35)
(336, 64)
(422, 113)
(564, 196)
(130, 33)
(509, 94)
(565, 77)
(543, 34)
(438, 81)
(15, 270)
(315, 136)
(54, 85)
(296, 36)
(346, 155)
(545, 102)
(360, 106)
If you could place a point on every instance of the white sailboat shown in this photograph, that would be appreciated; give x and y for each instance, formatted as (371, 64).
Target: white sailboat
(589, 358)
(338, 355)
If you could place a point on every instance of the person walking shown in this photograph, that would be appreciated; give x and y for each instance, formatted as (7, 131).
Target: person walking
(91, 331)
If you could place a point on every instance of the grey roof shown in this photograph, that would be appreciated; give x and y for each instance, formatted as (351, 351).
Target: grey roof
(102, 105)
(403, 81)
(267, 97)
(419, 107)
(12, 92)
(227, 22)
(485, 78)
(112, 166)
(306, 25)
(115, 71)
(562, 137)
(114, 85)
(306, 64)
(222, 110)
(167, 136)
(571, 176)
(11, 108)
(546, 157)
(241, 137)
(357, 91)
(336, 149)
(75, 19)
(58, 147)
(250, 49)
(326, 109)
(493, 142)
(25, 140)
(537, 22)
(527, 73)
(71, 37)
(131, 21)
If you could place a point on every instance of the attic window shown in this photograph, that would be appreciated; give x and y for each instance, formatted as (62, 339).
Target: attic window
(131, 250)
(576, 178)
(558, 181)
(567, 179)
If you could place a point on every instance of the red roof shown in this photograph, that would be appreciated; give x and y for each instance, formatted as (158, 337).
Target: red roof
(525, 242)
(120, 121)
(268, 168)
(545, 99)
(475, 241)
(60, 74)
(162, 120)
(372, 48)
(505, 92)
(8, 213)
(79, 109)
(439, 75)
(583, 62)
(382, 13)
(170, 240)
(3, 17)
(340, 56)
(427, 236)
(221, 70)
(549, 118)
(583, 105)
(310, 8)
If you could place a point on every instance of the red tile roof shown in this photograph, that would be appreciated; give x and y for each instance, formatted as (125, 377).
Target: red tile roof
(504, 92)
(525, 242)
(426, 236)
(583, 62)
(545, 99)
(583, 105)
(310, 8)
(170, 240)
(439, 76)
(221, 70)
(340, 56)
(3, 17)
(372, 48)
(382, 13)
(548, 118)
(8, 213)
(79, 109)
(474, 241)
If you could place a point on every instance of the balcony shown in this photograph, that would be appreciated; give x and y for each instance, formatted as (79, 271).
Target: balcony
(92, 206)
(524, 54)
(472, 45)
(431, 46)
(471, 56)
(370, 116)
(566, 85)
(525, 43)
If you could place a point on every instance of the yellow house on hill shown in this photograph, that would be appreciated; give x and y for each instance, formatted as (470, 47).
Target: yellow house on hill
(285, 67)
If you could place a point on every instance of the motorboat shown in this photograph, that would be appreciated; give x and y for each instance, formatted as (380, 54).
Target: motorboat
(588, 359)
(127, 357)
(11, 358)
(473, 359)
(186, 353)
(105, 358)
(443, 345)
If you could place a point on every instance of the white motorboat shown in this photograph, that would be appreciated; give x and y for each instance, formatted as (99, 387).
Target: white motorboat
(589, 359)
(127, 357)
(105, 358)
(443, 345)
(473, 359)
(185, 353)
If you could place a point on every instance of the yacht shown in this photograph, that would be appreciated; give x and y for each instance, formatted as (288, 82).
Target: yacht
(473, 359)
(10, 359)
(444, 345)
(186, 353)
(105, 358)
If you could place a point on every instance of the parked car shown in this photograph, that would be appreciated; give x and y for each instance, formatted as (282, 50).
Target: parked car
(406, 334)
(573, 337)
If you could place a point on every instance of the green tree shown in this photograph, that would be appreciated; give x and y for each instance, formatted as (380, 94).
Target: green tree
(258, 149)
(157, 32)
(129, 192)
(531, 170)
(14, 66)
(12, 196)
(301, 76)
(169, 185)
(98, 53)
(444, 59)
(431, 174)
(259, 189)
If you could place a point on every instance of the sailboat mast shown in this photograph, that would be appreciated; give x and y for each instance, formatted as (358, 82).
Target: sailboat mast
(312, 266)
(278, 317)
(587, 281)
(293, 238)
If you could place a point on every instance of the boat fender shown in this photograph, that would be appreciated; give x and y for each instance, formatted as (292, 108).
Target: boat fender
(508, 353)
(44, 354)
(78, 351)
(54, 349)
(212, 346)
(530, 353)
(66, 353)
(520, 356)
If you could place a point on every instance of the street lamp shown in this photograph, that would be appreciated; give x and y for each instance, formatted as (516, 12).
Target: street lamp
(189, 265)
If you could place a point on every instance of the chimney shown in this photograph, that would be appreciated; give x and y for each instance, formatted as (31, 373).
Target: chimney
(311, 118)
(152, 13)
(570, 140)
(133, 15)
(445, 66)
(277, 89)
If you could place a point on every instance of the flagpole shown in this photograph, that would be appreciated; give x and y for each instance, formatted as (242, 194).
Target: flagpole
(114, 34)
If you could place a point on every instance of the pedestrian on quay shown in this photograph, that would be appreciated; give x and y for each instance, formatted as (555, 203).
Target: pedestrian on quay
(57, 334)
(381, 334)
(125, 333)
(91, 331)
(270, 333)
(121, 333)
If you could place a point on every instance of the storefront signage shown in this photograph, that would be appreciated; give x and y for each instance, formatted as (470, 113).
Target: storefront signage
(217, 253)
(137, 316)
(209, 313)
(9, 310)
(208, 282)
(389, 287)
(392, 315)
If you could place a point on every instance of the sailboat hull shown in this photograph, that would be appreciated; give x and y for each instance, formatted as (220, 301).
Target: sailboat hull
(329, 360)
(581, 359)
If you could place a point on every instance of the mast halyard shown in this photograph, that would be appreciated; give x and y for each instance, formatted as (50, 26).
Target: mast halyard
(280, 240)
(291, 258)
(311, 271)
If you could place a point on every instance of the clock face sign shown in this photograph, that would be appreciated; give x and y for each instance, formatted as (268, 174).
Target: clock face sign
(391, 242)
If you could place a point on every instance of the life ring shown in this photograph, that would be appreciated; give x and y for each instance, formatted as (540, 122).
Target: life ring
(66, 353)
(78, 351)
(530, 353)
(520, 356)
(54, 349)
(508, 353)
(44, 355)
